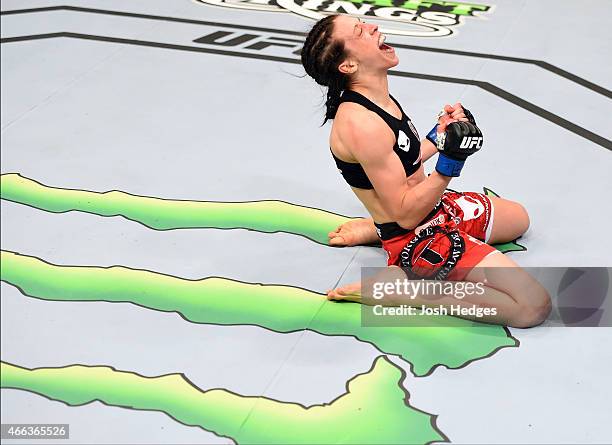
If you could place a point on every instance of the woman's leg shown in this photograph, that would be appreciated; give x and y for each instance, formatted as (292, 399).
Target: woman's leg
(519, 300)
(510, 221)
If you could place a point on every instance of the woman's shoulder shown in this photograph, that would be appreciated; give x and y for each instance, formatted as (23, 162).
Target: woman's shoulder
(352, 117)
(357, 131)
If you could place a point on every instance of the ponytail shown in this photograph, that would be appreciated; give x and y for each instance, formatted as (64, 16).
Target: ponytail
(334, 91)
(321, 57)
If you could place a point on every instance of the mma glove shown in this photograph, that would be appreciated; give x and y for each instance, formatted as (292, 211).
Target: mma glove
(460, 140)
(469, 116)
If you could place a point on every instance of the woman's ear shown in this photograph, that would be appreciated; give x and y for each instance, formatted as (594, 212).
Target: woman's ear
(349, 66)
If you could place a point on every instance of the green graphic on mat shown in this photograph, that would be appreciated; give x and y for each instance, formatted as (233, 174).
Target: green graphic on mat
(374, 408)
(445, 341)
(165, 214)
(456, 8)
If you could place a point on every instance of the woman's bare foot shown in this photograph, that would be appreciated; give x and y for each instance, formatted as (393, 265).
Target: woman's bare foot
(350, 292)
(355, 232)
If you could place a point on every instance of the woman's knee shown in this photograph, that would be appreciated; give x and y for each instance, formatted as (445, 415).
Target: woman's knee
(511, 220)
(522, 218)
(533, 310)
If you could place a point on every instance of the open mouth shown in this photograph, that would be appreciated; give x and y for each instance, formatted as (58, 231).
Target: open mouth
(382, 45)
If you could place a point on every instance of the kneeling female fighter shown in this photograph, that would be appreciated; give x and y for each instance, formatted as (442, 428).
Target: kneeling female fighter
(432, 232)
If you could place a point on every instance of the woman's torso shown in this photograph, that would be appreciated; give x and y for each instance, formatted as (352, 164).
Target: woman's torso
(398, 128)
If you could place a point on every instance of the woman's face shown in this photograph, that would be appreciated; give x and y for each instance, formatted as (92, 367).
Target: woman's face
(364, 43)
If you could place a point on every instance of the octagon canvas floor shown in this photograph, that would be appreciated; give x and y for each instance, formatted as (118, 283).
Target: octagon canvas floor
(185, 105)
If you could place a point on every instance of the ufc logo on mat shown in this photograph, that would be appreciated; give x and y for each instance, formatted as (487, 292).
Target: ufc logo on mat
(471, 142)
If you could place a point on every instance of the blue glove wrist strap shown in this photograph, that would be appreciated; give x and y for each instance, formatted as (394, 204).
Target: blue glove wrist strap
(433, 135)
(448, 167)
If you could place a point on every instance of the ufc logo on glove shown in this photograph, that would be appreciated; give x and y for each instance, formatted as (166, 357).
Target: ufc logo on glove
(471, 142)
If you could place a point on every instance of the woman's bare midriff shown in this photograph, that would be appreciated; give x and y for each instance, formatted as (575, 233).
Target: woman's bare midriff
(371, 201)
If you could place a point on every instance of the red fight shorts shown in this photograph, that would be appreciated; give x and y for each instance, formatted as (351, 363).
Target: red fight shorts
(448, 243)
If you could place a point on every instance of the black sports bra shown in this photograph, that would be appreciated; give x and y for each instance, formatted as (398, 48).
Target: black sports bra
(407, 143)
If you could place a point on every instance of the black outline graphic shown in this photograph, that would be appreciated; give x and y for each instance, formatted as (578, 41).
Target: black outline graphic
(503, 94)
(174, 200)
(489, 87)
(403, 375)
(410, 365)
(540, 63)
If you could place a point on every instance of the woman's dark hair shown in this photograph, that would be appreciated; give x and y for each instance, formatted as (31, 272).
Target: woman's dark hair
(321, 57)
